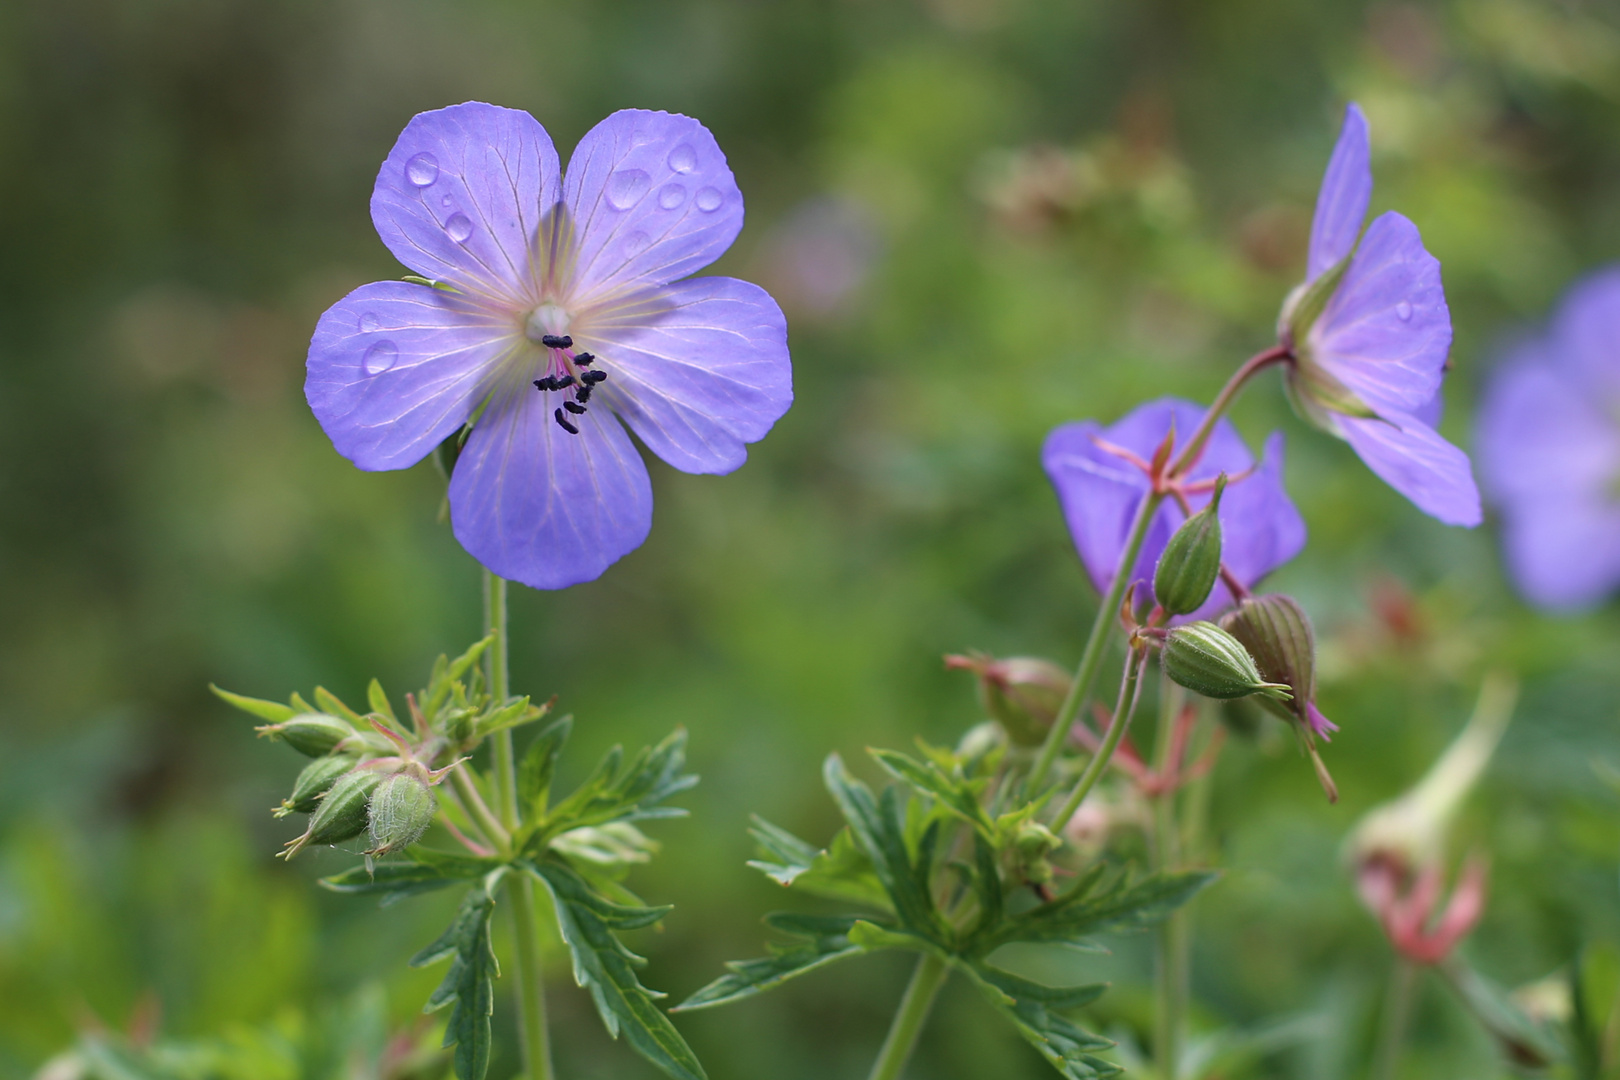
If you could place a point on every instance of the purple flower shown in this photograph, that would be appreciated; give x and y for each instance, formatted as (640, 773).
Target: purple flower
(555, 311)
(1370, 332)
(1100, 492)
(1549, 446)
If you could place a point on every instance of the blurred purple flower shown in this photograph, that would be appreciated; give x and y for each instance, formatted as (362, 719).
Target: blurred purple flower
(1100, 492)
(1370, 332)
(1549, 450)
(558, 313)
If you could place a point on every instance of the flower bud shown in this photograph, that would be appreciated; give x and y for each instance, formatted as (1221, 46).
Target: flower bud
(402, 808)
(1209, 661)
(318, 776)
(1192, 559)
(1032, 846)
(1021, 693)
(341, 814)
(1277, 633)
(311, 734)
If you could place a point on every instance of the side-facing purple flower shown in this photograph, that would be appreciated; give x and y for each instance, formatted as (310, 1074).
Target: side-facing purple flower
(553, 310)
(1100, 492)
(1369, 333)
(1549, 450)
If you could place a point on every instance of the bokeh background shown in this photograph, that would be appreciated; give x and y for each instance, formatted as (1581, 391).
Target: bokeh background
(984, 218)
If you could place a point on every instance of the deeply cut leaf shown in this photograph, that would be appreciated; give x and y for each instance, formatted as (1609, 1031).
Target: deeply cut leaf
(1070, 1049)
(820, 940)
(1071, 918)
(468, 985)
(424, 871)
(841, 872)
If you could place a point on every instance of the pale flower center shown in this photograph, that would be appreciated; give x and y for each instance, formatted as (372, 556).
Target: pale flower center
(547, 320)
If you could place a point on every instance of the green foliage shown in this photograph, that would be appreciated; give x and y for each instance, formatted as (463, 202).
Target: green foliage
(603, 965)
(957, 910)
(469, 984)
(425, 871)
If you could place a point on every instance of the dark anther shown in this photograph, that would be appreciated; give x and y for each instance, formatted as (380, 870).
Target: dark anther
(547, 383)
(574, 407)
(562, 421)
(591, 378)
(556, 341)
(584, 359)
(583, 394)
(562, 383)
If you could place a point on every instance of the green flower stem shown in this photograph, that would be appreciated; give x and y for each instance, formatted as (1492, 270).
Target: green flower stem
(1130, 686)
(1091, 658)
(491, 826)
(1223, 400)
(1392, 1026)
(1171, 962)
(531, 991)
(919, 998)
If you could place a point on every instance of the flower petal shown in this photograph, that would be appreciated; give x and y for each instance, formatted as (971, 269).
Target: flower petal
(462, 195)
(1260, 527)
(1543, 430)
(698, 370)
(1418, 463)
(1386, 332)
(651, 200)
(1586, 328)
(394, 368)
(1563, 551)
(1341, 202)
(538, 505)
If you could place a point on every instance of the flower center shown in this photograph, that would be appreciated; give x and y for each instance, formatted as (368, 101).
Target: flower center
(568, 373)
(547, 320)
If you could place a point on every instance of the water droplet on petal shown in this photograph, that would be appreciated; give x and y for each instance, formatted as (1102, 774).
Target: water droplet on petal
(368, 323)
(683, 159)
(636, 243)
(626, 187)
(447, 201)
(1404, 310)
(422, 170)
(379, 358)
(671, 196)
(709, 199)
(458, 228)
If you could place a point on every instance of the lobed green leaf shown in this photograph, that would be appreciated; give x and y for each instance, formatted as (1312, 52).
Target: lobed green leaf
(824, 940)
(1070, 1049)
(424, 871)
(841, 872)
(468, 985)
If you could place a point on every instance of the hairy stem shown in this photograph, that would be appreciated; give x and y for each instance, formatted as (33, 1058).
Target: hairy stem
(1091, 658)
(1129, 687)
(1392, 1026)
(908, 1021)
(1171, 961)
(488, 823)
(531, 991)
(1194, 445)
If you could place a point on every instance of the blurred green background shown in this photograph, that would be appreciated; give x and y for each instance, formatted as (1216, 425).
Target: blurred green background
(984, 218)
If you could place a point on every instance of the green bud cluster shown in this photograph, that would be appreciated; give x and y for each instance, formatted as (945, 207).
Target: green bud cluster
(316, 779)
(1277, 633)
(311, 734)
(402, 807)
(1209, 661)
(1192, 559)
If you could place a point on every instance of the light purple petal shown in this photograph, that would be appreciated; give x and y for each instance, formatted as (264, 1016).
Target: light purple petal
(1100, 493)
(651, 200)
(462, 195)
(698, 370)
(1418, 463)
(1386, 332)
(1319, 724)
(1563, 551)
(1586, 332)
(1542, 430)
(1341, 203)
(538, 505)
(395, 368)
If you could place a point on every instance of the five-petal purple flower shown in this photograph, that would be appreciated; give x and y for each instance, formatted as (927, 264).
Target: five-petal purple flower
(1100, 492)
(1549, 446)
(555, 310)
(1370, 332)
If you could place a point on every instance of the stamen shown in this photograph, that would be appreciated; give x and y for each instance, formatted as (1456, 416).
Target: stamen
(584, 359)
(583, 394)
(547, 383)
(556, 341)
(574, 407)
(591, 378)
(562, 421)
(562, 383)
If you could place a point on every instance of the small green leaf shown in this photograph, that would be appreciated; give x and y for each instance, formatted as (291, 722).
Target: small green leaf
(379, 701)
(1071, 918)
(872, 937)
(330, 703)
(424, 871)
(273, 711)
(841, 872)
(1030, 1006)
(469, 984)
(511, 715)
(613, 794)
(822, 940)
(539, 764)
(879, 829)
(607, 969)
(959, 796)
